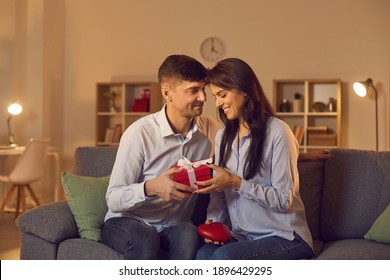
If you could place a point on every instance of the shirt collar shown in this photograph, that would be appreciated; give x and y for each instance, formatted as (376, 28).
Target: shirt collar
(166, 129)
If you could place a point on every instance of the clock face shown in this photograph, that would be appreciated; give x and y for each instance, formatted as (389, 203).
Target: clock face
(212, 49)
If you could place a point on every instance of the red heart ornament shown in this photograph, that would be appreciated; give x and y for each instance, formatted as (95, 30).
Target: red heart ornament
(215, 231)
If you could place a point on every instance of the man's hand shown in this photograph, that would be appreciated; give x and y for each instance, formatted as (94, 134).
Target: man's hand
(164, 187)
(221, 181)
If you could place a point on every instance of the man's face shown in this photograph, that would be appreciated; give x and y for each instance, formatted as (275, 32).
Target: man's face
(184, 98)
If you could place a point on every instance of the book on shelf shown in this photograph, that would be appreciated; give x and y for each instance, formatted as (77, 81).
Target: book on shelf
(317, 130)
(298, 133)
(113, 134)
(117, 134)
(109, 134)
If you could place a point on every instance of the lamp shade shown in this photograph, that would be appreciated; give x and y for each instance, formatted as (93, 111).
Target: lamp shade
(361, 88)
(15, 109)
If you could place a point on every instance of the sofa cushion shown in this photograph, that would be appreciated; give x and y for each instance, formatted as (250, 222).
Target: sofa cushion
(356, 191)
(355, 249)
(86, 198)
(380, 230)
(84, 249)
(311, 177)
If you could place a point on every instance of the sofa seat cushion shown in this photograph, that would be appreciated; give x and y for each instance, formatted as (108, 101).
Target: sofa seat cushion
(85, 249)
(355, 249)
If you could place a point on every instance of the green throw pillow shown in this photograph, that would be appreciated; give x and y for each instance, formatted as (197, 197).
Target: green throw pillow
(380, 229)
(86, 199)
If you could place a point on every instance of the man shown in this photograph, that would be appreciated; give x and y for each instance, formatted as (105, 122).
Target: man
(148, 212)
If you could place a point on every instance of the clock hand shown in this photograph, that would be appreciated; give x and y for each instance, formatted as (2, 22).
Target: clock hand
(212, 45)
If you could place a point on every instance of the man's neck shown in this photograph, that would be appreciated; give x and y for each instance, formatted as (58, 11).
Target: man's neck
(179, 124)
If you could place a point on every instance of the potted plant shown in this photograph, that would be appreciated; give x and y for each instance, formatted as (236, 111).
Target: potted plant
(112, 95)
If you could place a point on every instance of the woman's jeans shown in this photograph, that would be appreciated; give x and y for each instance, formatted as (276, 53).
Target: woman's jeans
(137, 240)
(268, 248)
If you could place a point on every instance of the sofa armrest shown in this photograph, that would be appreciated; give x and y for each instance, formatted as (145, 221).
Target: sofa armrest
(53, 222)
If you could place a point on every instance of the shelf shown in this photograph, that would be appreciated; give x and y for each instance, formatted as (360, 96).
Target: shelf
(119, 104)
(108, 114)
(290, 114)
(107, 144)
(311, 109)
(136, 114)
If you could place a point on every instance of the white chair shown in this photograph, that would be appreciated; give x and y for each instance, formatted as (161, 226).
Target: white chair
(29, 168)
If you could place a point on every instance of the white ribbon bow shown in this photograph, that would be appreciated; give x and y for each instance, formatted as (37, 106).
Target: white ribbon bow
(189, 166)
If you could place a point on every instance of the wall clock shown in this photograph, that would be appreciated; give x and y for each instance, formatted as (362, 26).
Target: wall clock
(212, 49)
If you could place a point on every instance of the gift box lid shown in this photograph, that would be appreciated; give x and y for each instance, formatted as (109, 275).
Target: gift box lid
(202, 173)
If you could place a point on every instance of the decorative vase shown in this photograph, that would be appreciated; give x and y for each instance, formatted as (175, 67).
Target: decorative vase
(113, 107)
(284, 106)
(297, 105)
(332, 105)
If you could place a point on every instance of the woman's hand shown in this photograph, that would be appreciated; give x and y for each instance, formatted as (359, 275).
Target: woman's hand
(209, 241)
(221, 181)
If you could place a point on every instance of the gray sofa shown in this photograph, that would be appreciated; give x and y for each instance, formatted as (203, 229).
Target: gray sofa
(343, 196)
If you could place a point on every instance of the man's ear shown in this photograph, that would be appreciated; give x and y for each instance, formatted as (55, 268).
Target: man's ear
(165, 91)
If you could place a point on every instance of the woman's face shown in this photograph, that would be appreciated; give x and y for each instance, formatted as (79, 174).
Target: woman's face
(230, 101)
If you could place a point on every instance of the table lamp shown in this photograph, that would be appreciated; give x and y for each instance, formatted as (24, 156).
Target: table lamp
(361, 89)
(14, 109)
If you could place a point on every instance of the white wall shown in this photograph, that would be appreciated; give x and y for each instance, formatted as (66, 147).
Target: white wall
(61, 58)
(280, 39)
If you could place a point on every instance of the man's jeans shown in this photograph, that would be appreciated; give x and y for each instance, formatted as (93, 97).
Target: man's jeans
(137, 240)
(268, 248)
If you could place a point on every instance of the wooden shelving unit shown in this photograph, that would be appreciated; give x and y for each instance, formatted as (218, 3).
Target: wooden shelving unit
(119, 104)
(312, 91)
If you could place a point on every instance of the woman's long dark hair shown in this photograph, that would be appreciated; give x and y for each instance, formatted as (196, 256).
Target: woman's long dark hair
(233, 73)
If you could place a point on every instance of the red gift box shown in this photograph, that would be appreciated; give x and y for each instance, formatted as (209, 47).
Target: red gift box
(202, 173)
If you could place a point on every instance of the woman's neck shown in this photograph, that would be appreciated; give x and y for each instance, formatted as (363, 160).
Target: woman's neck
(243, 129)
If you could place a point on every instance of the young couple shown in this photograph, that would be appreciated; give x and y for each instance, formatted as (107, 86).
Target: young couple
(255, 185)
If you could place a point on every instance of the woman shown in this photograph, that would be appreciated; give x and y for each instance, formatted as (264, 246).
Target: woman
(255, 186)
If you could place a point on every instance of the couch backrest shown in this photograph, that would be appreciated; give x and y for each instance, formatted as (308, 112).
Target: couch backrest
(94, 161)
(356, 191)
(343, 195)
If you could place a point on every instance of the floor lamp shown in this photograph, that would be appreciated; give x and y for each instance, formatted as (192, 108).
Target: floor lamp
(14, 109)
(361, 89)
